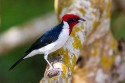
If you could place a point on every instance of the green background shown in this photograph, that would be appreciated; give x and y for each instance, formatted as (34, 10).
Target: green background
(15, 12)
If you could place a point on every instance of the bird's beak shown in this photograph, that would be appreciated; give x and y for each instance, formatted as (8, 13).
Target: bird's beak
(81, 19)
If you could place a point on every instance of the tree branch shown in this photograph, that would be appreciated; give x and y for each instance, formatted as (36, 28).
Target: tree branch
(102, 59)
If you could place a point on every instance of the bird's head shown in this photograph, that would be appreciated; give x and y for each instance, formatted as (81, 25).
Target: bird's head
(72, 20)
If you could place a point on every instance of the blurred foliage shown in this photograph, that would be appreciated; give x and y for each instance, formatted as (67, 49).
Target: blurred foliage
(28, 71)
(118, 24)
(15, 12)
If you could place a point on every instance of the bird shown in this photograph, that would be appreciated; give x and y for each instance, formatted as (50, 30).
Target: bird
(52, 40)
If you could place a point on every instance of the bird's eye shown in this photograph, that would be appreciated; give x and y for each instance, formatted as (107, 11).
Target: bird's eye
(74, 19)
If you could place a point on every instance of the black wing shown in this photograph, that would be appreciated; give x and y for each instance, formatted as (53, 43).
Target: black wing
(47, 38)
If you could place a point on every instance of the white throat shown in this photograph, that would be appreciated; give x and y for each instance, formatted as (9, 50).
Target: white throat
(66, 25)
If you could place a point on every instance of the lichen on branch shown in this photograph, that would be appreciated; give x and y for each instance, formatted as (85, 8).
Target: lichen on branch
(94, 36)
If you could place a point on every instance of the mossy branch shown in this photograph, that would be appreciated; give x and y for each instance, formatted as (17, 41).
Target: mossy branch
(100, 48)
(64, 59)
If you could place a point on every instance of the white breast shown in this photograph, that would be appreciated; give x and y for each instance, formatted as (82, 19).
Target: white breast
(63, 37)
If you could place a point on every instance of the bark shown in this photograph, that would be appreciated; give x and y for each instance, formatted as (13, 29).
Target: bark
(64, 59)
(119, 5)
(101, 60)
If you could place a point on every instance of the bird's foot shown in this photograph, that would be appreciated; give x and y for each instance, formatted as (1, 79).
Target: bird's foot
(53, 72)
(52, 68)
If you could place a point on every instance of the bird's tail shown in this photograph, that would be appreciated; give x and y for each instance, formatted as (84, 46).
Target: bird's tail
(16, 63)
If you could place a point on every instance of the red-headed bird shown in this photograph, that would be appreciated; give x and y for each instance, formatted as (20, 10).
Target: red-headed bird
(53, 39)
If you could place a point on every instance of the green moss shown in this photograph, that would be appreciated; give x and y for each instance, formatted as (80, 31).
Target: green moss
(66, 58)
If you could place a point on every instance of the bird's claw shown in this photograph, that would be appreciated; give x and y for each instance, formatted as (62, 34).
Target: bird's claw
(52, 68)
